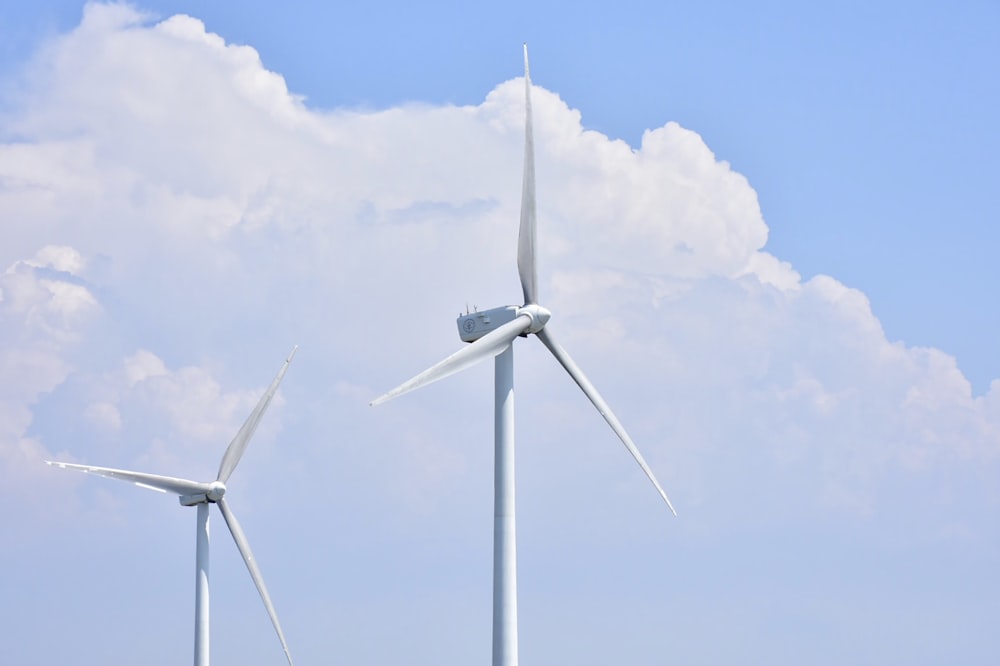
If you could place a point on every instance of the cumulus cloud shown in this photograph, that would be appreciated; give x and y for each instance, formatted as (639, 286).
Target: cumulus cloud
(47, 318)
(43, 317)
(205, 192)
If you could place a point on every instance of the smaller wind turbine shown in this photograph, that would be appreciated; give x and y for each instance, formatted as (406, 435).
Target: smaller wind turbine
(201, 494)
(491, 334)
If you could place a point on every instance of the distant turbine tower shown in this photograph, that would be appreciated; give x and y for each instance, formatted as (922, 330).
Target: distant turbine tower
(201, 494)
(491, 333)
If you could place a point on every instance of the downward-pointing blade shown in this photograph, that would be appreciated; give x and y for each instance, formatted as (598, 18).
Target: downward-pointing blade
(526, 262)
(574, 371)
(239, 444)
(241, 542)
(164, 484)
(487, 346)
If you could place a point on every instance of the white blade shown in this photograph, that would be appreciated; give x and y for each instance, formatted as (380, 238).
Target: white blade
(239, 444)
(244, 547)
(574, 371)
(164, 484)
(526, 264)
(487, 346)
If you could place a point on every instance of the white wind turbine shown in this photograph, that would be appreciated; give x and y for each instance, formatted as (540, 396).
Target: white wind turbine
(491, 333)
(201, 494)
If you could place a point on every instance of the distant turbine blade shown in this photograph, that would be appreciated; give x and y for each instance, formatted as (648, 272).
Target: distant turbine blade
(487, 346)
(164, 484)
(574, 371)
(239, 443)
(526, 262)
(244, 547)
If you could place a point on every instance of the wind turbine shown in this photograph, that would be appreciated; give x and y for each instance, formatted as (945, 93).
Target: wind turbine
(201, 494)
(492, 333)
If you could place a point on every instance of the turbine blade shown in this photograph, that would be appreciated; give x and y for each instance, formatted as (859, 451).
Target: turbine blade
(487, 346)
(163, 484)
(577, 374)
(526, 263)
(244, 547)
(239, 444)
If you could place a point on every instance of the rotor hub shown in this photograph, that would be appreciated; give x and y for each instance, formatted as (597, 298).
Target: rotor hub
(216, 490)
(539, 316)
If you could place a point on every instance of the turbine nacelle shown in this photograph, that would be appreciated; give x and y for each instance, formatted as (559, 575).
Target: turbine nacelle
(474, 325)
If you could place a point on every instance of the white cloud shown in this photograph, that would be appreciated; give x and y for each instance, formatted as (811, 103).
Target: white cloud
(143, 365)
(211, 191)
(58, 257)
(173, 420)
(42, 320)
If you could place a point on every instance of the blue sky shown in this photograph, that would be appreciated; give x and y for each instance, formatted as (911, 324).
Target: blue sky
(767, 234)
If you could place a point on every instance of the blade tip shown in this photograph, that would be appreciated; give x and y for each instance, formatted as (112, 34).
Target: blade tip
(394, 393)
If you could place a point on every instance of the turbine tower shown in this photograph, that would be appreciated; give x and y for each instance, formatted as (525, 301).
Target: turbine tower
(492, 333)
(201, 494)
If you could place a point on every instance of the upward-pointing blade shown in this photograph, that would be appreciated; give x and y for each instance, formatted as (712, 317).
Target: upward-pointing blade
(526, 264)
(574, 371)
(164, 484)
(487, 346)
(244, 547)
(239, 444)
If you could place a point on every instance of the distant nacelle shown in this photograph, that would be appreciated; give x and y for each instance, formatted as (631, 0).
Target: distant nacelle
(474, 325)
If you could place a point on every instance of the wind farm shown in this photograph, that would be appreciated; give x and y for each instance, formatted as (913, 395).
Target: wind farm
(761, 250)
